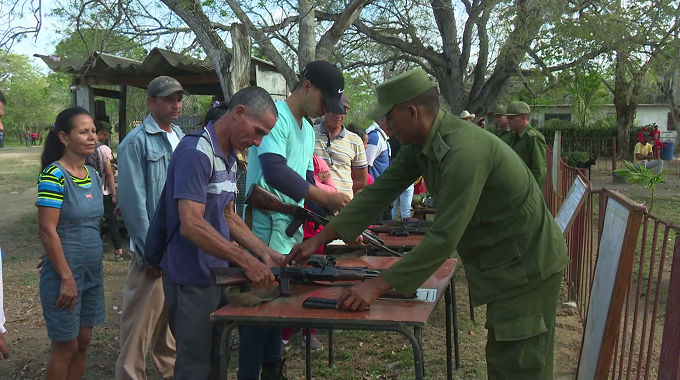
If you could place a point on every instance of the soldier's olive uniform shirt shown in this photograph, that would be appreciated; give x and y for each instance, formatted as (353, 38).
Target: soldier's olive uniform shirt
(530, 147)
(489, 208)
(505, 136)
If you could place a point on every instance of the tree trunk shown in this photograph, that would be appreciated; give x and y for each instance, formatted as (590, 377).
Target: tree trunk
(191, 12)
(239, 68)
(265, 45)
(623, 119)
(307, 42)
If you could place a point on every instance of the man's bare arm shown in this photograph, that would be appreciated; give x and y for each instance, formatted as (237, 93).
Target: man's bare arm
(195, 228)
(242, 235)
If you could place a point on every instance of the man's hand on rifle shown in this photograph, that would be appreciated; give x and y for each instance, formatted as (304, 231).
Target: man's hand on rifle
(259, 274)
(272, 258)
(331, 201)
(335, 201)
(303, 251)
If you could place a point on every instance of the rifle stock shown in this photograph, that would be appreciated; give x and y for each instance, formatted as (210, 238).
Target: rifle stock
(266, 200)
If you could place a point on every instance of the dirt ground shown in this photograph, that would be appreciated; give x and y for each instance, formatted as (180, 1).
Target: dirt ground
(358, 355)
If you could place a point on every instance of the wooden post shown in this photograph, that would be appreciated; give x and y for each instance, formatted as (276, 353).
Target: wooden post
(239, 68)
(122, 114)
(74, 82)
(669, 362)
(613, 153)
(557, 169)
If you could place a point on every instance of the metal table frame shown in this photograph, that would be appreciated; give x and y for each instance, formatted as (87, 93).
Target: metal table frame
(414, 337)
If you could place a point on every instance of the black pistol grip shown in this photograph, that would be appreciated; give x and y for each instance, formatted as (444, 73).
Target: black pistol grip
(292, 229)
(284, 286)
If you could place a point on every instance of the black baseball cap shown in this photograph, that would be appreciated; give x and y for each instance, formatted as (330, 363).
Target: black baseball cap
(329, 80)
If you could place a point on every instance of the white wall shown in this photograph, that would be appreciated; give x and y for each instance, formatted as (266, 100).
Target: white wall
(271, 81)
(645, 114)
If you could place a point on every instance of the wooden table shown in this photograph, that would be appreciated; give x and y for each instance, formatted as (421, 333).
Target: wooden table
(383, 315)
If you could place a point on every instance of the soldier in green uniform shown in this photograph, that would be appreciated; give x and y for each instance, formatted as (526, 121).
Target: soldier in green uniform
(528, 143)
(501, 121)
(489, 208)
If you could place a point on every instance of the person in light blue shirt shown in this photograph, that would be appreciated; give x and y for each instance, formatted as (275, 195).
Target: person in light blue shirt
(143, 159)
(283, 165)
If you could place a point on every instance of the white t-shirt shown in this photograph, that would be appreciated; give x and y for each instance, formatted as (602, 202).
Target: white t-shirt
(173, 140)
(2, 310)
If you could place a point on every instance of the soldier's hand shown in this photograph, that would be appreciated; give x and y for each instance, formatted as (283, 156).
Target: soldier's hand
(360, 296)
(335, 202)
(302, 252)
(259, 274)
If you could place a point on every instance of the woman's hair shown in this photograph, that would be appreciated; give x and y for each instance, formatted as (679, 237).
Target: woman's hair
(216, 111)
(54, 149)
(359, 131)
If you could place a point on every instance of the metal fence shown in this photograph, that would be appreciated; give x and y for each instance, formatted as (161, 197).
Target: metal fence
(194, 109)
(648, 342)
(604, 150)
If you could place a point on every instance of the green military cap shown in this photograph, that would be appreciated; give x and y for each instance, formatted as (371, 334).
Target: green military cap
(498, 110)
(399, 89)
(517, 108)
(102, 126)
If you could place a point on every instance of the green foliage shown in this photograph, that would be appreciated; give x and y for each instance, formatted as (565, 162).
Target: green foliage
(361, 100)
(586, 91)
(575, 156)
(77, 47)
(640, 175)
(33, 98)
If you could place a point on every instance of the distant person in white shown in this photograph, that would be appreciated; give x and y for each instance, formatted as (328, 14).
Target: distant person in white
(4, 351)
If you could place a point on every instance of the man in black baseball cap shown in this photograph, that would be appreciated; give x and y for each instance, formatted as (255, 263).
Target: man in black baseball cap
(329, 80)
(282, 164)
(163, 86)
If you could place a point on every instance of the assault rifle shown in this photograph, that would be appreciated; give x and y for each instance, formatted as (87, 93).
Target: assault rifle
(322, 270)
(265, 200)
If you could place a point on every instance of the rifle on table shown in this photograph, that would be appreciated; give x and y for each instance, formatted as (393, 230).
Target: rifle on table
(294, 275)
(399, 231)
(409, 223)
(267, 201)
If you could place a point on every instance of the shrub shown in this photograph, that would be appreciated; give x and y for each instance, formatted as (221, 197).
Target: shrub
(575, 156)
(595, 138)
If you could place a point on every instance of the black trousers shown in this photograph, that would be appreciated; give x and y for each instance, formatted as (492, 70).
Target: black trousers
(111, 221)
(197, 340)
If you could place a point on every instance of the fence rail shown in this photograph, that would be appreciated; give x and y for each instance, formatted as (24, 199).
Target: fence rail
(648, 342)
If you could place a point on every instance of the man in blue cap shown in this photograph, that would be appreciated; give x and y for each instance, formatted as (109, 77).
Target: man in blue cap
(489, 209)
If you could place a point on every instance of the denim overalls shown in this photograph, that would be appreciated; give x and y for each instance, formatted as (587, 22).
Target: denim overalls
(78, 230)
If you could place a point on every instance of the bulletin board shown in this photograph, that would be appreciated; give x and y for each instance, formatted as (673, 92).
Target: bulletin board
(620, 232)
(572, 204)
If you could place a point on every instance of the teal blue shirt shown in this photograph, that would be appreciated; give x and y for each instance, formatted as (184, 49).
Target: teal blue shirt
(296, 145)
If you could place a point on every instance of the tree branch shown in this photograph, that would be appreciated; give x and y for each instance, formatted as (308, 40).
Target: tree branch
(405, 46)
(265, 45)
(329, 39)
(473, 15)
(191, 12)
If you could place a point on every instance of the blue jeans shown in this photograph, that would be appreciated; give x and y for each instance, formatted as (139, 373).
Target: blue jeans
(403, 203)
(257, 345)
